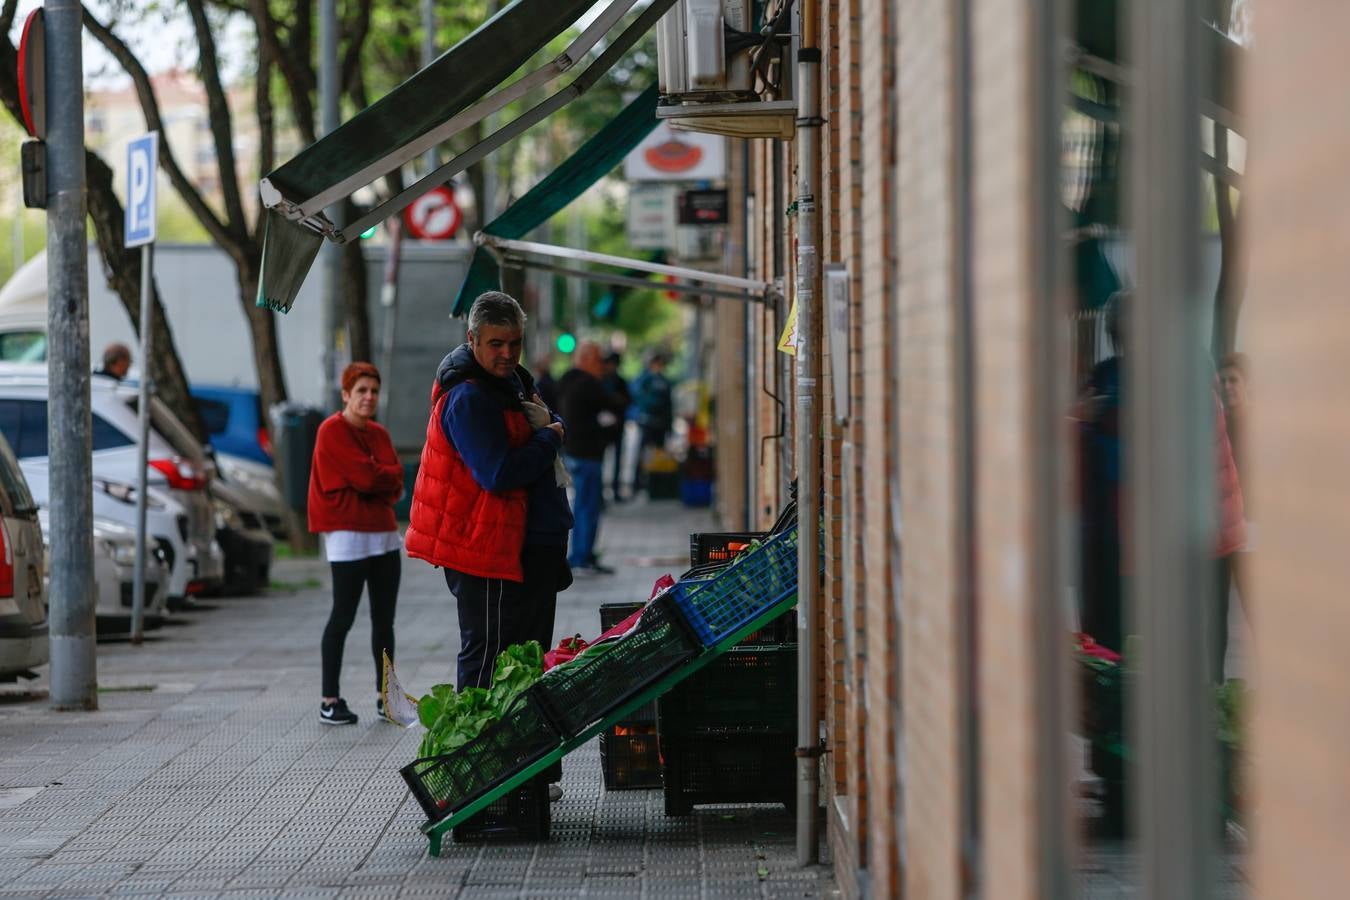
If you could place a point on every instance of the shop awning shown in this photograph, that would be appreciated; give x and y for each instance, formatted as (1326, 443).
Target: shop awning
(591, 162)
(446, 97)
(570, 261)
(1099, 39)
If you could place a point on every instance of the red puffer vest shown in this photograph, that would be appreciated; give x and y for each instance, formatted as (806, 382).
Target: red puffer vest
(456, 524)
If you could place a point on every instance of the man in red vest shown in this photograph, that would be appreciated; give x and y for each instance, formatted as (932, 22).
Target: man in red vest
(487, 506)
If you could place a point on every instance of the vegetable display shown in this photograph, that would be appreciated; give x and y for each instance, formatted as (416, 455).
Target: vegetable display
(453, 718)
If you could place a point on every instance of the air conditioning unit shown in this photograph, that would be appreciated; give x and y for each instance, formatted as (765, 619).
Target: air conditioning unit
(726, 67)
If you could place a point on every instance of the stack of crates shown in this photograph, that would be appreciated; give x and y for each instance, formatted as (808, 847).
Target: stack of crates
(523, 814)
(729, 733)
(629, 755)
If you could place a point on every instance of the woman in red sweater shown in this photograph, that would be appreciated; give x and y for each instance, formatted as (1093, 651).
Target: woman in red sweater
(354, 482)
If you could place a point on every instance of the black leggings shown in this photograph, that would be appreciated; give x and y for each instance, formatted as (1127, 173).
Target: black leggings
(381, 573)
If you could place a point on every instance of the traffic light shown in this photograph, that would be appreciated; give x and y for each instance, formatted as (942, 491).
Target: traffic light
(566, 342)
(369, 232)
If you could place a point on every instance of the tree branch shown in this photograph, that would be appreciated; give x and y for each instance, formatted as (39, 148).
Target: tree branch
(7, 15)
(356, 30)
(218, 112)
(150, 107)
(293, 65)
(266, 126)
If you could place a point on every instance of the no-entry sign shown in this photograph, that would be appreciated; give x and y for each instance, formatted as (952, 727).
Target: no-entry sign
(434, 216)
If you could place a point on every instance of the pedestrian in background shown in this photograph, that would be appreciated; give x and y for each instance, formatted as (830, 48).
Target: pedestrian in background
(487, 507)
(544, 384)
(590, 412)
(354, 482)
(618, 388)
(116, 361)
(655, 408)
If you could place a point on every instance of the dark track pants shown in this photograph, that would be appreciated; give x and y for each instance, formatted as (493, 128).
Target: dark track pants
(495, 613)
(381, 575)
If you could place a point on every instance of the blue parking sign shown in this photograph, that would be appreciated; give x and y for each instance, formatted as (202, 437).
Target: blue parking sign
(142, 161)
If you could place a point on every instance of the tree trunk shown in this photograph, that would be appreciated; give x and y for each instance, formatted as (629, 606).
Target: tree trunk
(263, 331)
(355, 292)
(1228, 295)
(122, 267)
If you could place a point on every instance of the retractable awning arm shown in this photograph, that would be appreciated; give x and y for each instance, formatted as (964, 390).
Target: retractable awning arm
(304, 201)
(549, 257)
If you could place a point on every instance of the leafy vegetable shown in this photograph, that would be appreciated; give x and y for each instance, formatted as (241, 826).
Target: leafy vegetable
(452, 719)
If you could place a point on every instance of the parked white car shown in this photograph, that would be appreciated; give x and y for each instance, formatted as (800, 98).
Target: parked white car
(115, 575)
(23, 595)
(180, 514)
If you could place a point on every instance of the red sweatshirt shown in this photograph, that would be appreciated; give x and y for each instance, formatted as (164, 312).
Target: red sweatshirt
(354, 479)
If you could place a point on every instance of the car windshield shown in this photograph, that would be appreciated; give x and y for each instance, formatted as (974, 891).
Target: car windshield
(12, 481)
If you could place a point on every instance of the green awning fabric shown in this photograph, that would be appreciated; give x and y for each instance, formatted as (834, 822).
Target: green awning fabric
(592, 161)
(449, 84)
(289, 249)
(1098, 29)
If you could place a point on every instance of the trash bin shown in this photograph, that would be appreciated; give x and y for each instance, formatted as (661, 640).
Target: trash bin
(294, 429)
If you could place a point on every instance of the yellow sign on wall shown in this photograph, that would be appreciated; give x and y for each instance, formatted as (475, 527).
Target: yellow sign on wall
(787, 342)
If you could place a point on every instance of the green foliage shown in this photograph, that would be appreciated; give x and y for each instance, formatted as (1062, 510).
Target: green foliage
(1231, 709)
(452, 719)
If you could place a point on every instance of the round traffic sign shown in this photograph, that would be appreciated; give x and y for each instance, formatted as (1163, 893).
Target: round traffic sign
(433, 216)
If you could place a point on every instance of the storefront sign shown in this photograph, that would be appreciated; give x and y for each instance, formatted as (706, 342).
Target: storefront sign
(703, 207)
(670, 155)
(651, 216)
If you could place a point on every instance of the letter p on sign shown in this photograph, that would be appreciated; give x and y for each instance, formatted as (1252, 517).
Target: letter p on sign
(142, 161)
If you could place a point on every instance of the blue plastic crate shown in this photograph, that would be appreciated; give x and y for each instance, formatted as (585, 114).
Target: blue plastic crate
(715, 607)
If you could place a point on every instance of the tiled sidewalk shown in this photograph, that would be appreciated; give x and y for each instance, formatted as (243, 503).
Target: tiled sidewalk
(206, 772)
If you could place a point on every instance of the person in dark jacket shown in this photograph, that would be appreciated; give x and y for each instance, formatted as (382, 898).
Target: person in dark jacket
(354, 481)
(487, 507)
(591, 413)
(655, 408)
(618, 388)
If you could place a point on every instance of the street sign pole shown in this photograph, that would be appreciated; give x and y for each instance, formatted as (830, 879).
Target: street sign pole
(142, 162)
(74, 675)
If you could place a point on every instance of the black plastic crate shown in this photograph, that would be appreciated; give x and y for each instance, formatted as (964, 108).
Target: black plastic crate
(444, 784)
(630, 757)
(612, 614)
(782, 630)
(731, 765)
(751, 686)
(720, 547)
(585, 690)
(716, 606)
(521, 814)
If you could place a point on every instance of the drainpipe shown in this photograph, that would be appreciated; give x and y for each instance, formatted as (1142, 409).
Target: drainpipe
(807, 437)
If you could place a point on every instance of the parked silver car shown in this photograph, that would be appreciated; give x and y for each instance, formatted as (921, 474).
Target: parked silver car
(23, 595)
(115, 575)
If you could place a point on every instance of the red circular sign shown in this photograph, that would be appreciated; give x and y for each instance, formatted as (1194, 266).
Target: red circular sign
(434, 216)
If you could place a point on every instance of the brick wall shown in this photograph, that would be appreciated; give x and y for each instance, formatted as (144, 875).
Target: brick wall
(1004, 345)
(1297, 328)
(873, 408)
(928, 637)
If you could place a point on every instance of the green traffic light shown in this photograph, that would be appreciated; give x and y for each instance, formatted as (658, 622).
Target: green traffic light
(566, 343)
(369, 232)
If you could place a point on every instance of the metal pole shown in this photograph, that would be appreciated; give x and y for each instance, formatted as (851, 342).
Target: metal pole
(331, 254)
(143, 436)
(74, 677)
(751, 372)
(430, 160)
(807, 439)
(389, 301)
(1170, 416)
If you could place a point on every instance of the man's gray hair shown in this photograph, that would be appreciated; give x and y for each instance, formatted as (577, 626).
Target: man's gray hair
(496, 308)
